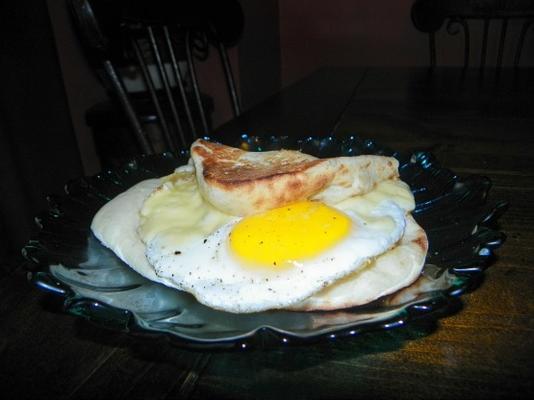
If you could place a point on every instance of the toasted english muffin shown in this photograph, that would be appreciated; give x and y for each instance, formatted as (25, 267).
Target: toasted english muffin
(242, 183)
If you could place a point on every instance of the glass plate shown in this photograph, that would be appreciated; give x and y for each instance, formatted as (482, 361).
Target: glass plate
(66, 259)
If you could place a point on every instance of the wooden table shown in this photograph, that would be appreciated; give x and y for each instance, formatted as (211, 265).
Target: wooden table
(485, 349)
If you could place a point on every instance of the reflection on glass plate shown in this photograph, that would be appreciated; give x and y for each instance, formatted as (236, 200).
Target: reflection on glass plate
(69, 261)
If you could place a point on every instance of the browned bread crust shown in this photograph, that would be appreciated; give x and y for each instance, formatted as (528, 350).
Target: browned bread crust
(242, 183)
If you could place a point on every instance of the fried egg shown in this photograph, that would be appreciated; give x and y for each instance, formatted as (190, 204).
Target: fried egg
(269, 260)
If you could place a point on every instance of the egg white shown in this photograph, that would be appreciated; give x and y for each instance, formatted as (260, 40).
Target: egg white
(209, 270)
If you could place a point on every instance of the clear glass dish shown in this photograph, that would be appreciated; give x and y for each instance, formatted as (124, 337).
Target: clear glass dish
(67, 260)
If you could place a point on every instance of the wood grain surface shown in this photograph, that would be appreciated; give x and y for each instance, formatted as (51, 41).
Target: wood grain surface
(482, 348)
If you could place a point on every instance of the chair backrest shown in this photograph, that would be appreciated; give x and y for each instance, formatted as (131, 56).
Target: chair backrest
(160, 41)
(429, 16)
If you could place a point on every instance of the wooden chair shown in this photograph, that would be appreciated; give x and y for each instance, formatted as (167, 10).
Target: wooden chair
(429, 17)
(159, 43)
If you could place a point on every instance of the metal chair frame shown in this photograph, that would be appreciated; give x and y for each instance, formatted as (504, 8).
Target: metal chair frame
(178, 130)
(429, 16)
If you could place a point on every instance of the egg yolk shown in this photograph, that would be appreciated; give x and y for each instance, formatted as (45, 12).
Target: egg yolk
(298, 231)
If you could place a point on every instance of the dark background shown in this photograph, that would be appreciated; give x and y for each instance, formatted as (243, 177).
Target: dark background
(38, 148)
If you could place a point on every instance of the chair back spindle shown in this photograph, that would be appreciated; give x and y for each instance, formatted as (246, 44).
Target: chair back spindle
(189, 44)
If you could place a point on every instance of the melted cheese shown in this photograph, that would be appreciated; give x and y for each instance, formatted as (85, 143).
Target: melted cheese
(177, 213)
